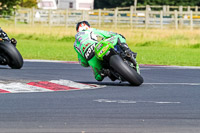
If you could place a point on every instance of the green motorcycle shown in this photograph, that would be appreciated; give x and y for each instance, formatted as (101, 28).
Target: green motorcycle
(121, 65)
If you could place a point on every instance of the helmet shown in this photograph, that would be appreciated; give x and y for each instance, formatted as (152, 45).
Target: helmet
(83, 25)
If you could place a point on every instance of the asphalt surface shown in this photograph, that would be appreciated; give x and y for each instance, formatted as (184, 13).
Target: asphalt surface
(167, 102)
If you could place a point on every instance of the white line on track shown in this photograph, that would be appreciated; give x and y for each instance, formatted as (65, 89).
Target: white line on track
(172, 83)
(172, 67)
(133, 102)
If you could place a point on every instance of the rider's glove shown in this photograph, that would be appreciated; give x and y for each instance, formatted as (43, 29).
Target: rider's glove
(122, 36)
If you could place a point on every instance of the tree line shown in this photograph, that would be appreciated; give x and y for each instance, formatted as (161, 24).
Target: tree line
(8, 6)
(124, 3)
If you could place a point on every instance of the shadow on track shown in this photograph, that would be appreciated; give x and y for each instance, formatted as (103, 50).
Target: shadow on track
(4, 68)
(106, 83)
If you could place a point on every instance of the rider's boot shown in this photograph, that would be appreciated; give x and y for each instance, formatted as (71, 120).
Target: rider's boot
(106, 72)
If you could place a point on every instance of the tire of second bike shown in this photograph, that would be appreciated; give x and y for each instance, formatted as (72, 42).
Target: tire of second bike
(15, 60)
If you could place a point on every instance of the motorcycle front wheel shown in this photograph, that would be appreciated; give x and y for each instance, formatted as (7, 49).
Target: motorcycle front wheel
(125, 70)
(12, 55)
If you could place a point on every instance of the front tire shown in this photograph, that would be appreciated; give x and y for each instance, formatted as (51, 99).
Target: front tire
(125, 71)
(14, 58)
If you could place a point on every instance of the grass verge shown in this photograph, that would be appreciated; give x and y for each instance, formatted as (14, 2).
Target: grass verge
(63, 50)
(154, 46)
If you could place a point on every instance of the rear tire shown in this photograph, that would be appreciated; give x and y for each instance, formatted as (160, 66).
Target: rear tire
(125, 71)
(14, 58)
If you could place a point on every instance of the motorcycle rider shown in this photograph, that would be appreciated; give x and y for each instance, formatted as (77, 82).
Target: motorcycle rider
(5, 37)
(85, 41)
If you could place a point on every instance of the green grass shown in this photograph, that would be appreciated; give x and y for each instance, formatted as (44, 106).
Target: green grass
(62, 49)
(154, 46)
(168, 56)
(45, 49)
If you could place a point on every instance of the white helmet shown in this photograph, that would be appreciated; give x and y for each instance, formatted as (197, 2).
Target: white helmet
(82, 26)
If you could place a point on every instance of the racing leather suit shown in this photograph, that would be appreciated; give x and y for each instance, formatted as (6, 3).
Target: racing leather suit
(85, 42)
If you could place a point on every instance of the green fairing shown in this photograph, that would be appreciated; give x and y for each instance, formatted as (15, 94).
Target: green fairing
(84, 41)
(102, 48)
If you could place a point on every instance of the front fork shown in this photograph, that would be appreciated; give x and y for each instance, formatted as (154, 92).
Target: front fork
(137, 68)
(133, 63)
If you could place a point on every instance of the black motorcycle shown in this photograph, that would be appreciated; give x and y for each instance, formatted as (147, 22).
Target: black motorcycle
(9, 55)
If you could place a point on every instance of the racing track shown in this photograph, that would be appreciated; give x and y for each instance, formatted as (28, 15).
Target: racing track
(168, 101)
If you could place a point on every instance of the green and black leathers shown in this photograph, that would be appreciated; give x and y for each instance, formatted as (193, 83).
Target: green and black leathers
(84, 46)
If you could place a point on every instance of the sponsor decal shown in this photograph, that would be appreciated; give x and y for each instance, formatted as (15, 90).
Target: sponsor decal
(85, 46)
(110, 39)
(89, 52)
(103, 50)
(99, 47)
(83, 40)
(100, 52)
(80, 39)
